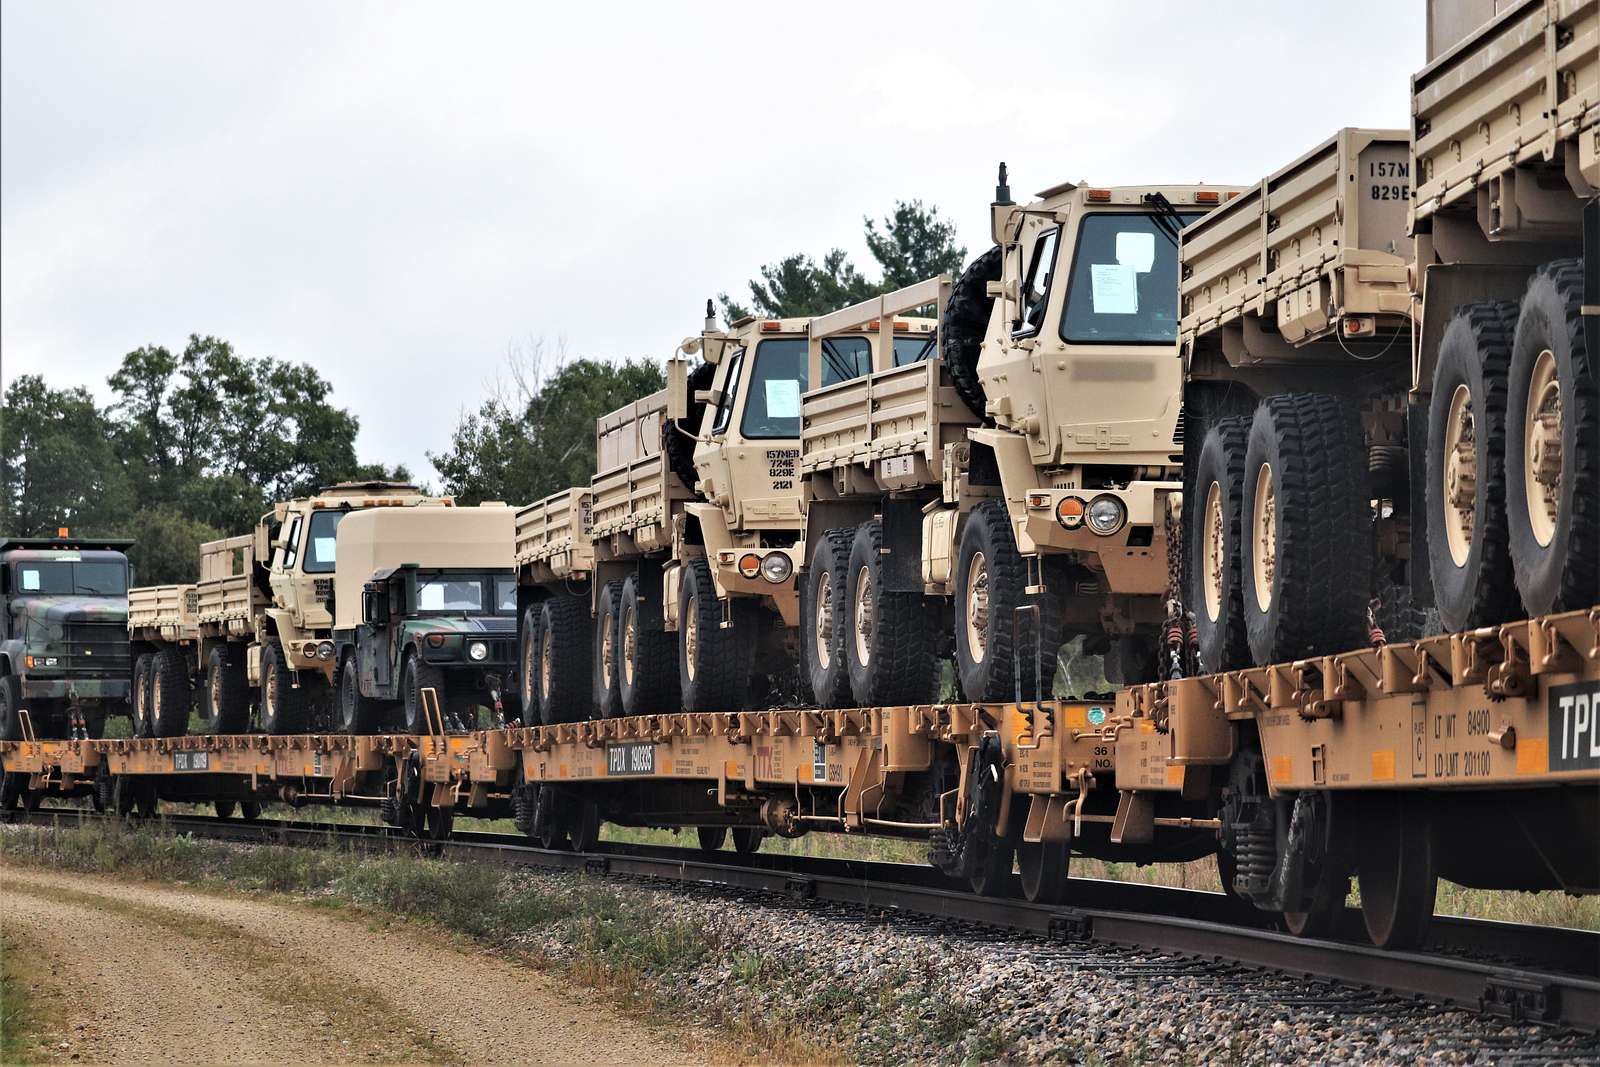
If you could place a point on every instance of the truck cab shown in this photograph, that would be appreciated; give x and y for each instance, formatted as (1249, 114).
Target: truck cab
(425, 598)
(63, 634)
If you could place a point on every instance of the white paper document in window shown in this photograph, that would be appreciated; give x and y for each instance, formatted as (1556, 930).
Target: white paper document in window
(1136, 250)
(324, 547)
(1115, 292)
(783, 398)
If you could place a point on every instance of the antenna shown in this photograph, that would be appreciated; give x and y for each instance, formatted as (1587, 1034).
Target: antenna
(1002, 189)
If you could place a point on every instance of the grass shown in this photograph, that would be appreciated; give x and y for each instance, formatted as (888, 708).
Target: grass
(30, 1003)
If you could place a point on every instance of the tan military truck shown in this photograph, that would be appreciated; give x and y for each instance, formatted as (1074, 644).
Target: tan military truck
(1017, 489)
(1416, 312)
(254, 634)
(670, 579)
(424, 598)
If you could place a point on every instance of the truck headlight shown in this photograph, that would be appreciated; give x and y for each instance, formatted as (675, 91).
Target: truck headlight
(477, 650)
(1106, 515)
(325, 650)
(776, 567)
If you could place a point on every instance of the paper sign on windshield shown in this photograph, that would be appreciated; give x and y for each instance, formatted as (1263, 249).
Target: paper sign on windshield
(1136, 250)
(783, 398)
(324, 547)
(1115, 292)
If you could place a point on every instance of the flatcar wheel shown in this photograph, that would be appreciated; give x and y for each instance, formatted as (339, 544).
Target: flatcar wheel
(586, 827)
(747, 839)
(224, 809)
(553, 839)
(994, 872)
(711, 837)
(250, 810)
(1397, 876)
(439, 821)
(1043, 867)
(1327, 904)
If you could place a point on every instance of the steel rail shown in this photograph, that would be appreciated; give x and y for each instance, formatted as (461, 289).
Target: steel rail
(1514, 971)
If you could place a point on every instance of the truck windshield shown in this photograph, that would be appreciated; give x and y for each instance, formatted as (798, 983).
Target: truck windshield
(72, 577)
(320, 541)
(505, 596)
(449, 594)
(780, 375)
(1124, 284)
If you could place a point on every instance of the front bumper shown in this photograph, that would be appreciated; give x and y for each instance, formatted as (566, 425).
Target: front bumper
(1134, 558)
(76, 688)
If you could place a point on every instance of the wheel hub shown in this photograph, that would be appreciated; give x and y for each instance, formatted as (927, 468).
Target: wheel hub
(630, 642)
(691, 637)
(1264, 521)
(825, 623)
(547, 666)
(608, 651)
(863, 607)
(978, 607)
(1541, 455)
(1460, 474)
(1214, 549)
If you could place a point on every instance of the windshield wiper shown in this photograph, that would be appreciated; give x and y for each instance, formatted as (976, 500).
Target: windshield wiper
(1165, 216)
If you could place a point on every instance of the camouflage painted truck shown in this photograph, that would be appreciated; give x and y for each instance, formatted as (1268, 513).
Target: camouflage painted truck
(669, 581)
(1016, 490)
(424, 598)
(254, 634)
(63, 637)
(1390, 351)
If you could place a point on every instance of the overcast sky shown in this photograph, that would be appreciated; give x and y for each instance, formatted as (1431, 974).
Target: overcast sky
(397, 192)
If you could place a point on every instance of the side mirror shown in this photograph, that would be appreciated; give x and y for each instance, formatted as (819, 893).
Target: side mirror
(677, 389)
(262, 548)
(709, 397)
(374, 605)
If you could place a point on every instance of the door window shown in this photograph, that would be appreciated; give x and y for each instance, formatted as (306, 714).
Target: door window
(1036, 286)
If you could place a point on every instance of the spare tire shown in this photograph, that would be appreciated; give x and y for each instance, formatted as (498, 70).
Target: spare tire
(680, 435)
(965, 322)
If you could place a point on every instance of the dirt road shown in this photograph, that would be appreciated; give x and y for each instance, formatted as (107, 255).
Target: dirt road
(155, 975)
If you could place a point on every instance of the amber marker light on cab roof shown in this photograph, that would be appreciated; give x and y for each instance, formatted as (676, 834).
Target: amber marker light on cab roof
(1207, 196)
(771, 327)
(1098, 196)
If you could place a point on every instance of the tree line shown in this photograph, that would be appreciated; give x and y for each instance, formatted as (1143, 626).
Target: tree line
(197, 444)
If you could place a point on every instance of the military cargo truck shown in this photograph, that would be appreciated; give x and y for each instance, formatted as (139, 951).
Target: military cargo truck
(669, 581)
(1395, 335)
(63, 637)
(424, 598)
(254, 634)
(1016, 490)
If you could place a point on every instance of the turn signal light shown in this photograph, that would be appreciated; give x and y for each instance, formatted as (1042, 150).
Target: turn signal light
(1098, 196)
(1069, 513)
(436, 640)
(1038, 500)
(749, 564)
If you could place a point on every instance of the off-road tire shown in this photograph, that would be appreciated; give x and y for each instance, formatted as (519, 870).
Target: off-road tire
(830, 562)
(283, 704)
(1314, 445)
(965, 324)
(171, 696)
(356, 714)
(416, 676)
(1475, 353)
(10, 704)
(1563, 575)
(226, 697)
(528, 637)
(608, 683)
(649, 681)
(898, 667)
(13, 789)
(678, 439)
(139, 704)
(1396, 613)
(988, 674)
(1223, 642)
(717, 676)
(567, 633)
